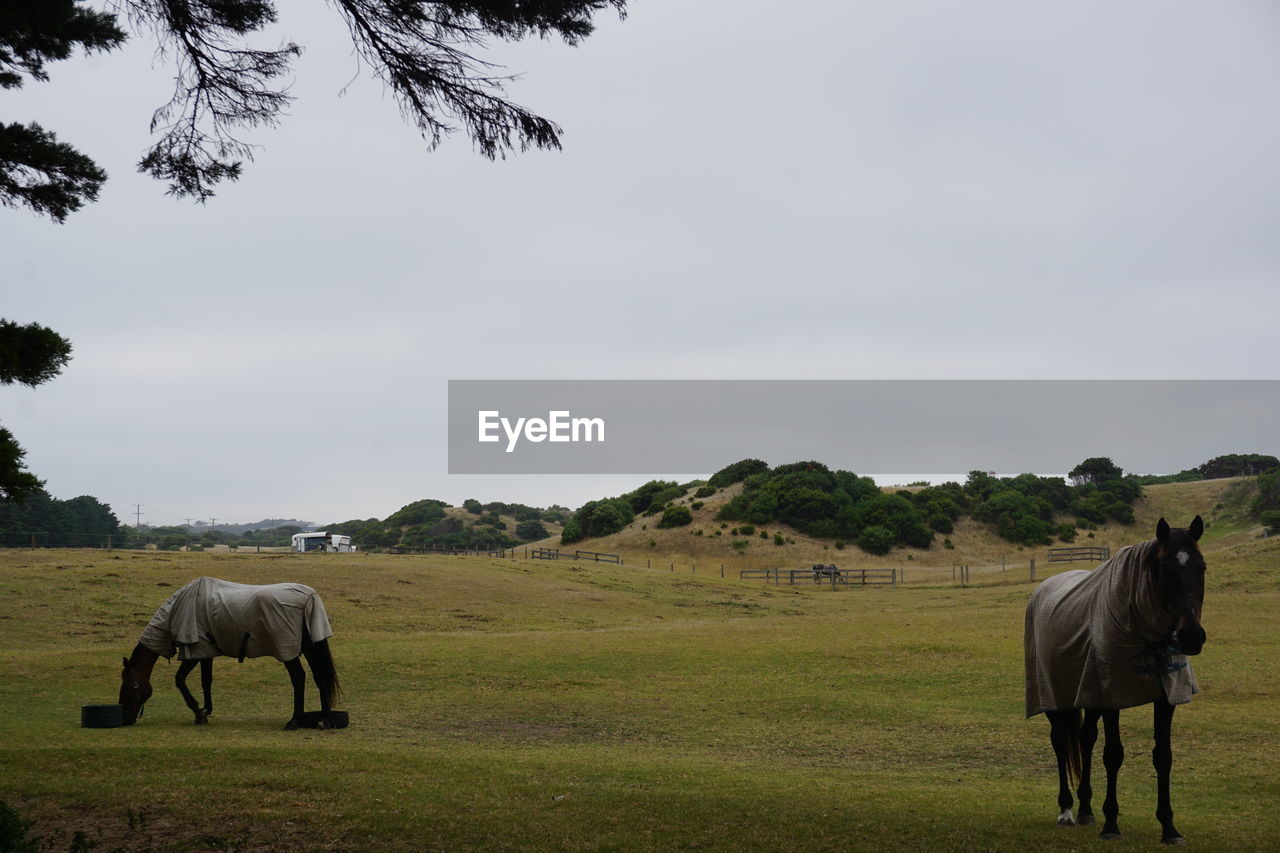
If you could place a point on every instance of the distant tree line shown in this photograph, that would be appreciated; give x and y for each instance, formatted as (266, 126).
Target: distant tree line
(44, 520)
(600, 518)
(1228, 465)
(425, 524)
(843, 506)
(87, 522)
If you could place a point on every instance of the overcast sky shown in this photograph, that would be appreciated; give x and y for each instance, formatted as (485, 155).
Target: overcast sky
(747, 190)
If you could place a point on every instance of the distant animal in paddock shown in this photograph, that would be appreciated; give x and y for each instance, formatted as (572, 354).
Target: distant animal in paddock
(208, 618)
(825, 572)
(1113, 638)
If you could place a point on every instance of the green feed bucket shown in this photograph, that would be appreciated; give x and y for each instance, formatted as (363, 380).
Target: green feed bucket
(101, 716)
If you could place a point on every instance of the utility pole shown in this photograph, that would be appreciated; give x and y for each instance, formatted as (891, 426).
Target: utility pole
(137, 516)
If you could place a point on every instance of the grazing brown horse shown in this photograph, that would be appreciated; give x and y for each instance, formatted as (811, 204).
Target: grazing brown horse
(1116, 637)
(210, 617)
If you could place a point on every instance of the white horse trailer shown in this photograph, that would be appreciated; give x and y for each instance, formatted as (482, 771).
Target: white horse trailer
(319, 540)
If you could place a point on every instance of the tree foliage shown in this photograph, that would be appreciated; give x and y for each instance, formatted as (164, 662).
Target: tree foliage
(36, 170)
(29, 355)
(45, 520)
(425, 53)
(1096, 470)
(736, 473)
(676, 516)
(1238, 465)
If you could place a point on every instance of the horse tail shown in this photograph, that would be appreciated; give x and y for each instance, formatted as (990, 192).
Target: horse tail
(1074, 723)
(323, 669)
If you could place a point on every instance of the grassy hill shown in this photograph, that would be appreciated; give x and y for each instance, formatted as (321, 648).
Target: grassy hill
(1222, 503)
(520, 704)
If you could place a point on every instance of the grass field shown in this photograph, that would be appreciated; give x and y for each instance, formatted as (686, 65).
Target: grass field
(524, 705)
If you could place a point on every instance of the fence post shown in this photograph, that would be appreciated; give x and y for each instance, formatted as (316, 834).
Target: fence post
(1033, 568)
(722, 570)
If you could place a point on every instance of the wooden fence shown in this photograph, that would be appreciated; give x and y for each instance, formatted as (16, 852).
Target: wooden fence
(596, 556)
(843, 577)
(452, 552)
(1096, 554)
(555, 554)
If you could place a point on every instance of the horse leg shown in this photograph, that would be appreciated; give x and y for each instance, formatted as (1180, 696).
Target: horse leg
(1088, 739)
(324, 683)
(206, 686)
(1059, 736)
(299, 679)
(1112, 758)
(1162, 758)
(180, 679)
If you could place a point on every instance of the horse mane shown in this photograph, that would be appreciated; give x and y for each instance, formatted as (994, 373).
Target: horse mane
(142, 658)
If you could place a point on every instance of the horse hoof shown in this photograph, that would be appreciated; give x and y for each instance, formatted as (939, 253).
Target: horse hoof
(291, 726)
(1176, 840)
(1065, 821)
(1109, 836)
(1086, 820)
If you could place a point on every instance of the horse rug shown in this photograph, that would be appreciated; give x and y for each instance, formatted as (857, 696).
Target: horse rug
(210, 617)
(1098, 639)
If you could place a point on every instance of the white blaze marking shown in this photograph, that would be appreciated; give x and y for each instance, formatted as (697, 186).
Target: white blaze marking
(1183, 558)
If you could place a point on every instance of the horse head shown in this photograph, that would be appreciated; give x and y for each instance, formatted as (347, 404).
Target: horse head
(135, 690)
(1179, 579)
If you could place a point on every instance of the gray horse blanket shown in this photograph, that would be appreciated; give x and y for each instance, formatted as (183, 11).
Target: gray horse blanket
(1095, 639)
(210, 617)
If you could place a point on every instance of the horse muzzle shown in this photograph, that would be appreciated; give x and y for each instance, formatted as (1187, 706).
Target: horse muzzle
(1190, 640)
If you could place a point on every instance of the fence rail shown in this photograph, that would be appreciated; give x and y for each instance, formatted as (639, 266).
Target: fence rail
(844, 577)
(453, 552)
(597, 557)
(1070, 555)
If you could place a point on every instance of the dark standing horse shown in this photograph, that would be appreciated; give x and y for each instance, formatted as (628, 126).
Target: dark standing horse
(210, 617)
(1114, 638)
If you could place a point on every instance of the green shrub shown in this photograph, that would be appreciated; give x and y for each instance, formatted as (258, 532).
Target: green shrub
(676, 516)
(418, 512)
(1067, 532)
(876, 539)
(530, 530)
(739, 544)
(705, 492)
(1271, 519)
(778, 540)
(737, 472)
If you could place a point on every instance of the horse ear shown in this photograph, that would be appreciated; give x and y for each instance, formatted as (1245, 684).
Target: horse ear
(126, 662)
(1162, 530)
(1196, 530)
